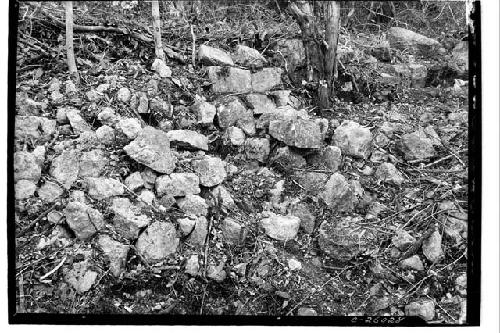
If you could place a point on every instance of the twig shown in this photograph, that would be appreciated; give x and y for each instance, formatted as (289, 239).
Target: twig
(21, 294)
(435, 170)
(35, 221)
(52, 271)
(193, 50)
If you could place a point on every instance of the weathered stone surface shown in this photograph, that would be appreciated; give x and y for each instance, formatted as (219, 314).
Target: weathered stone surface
(306, 312)
(232, 112)
(417, 146)
(229, 80)
(211, 170)
(293, 51)
(178, 184)
(131, 127)
(281, 227)
(431, 247)
(232, 231)
(234, 136)
(329, 158)
(338, 194)
(423, 308)
(266, 79)
(312, 182)
(216, 273)
(219, 195)
(353, 139)
(146, 197)
(26, 167)
(105, 135)
(211, 56)
(205, 112)
(39, 152)
(186, 225)
(280, 113)
(158, 241)
(24, 189)
(193, 204)
(300, 133)
(128, 219)
(307, 220)
(50, 191)
(248, 57)
(33, 127)
(192, 265)
(88, 140)
(342, 240)
(460, 57)
(134, 181)
(152, 148)
(116, 253)
(188, 139)
(257, 149)
(286, 158)
(143, 106)
(388, 173)
(92, 163)
(83, 220)
(284, 98)
(80, 277)
(260, 103)
(123, 95)
(402, 240)
(404, 39)
(102, 188)
(108, 116)
(161, 68)
(65, 167)
(199, 233)
(78, 124)
(412, 262)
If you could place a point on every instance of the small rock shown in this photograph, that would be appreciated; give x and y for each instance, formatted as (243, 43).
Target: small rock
(388, 173)
(294, 265)
(116, 253)
(26, 167)
(50, 191)
(284, 98)
(307, 220)
(178, 184)
(221, 196)
(248, 57)
(192, 265)
(146, 197)
(412, 262)
(124, 95)
(353, 139)
(39, 154)
(199, 233)
(78, 124)
(92, 163)
(232, 231)
(402, 240)
(260, 103)
(134, 181)
(65, 167)
(211, 170)
(78, 196)
(186, 225)
(80, 277)
(281, 227)
(149, 178)
(102, 188)
(423, 308)
(108, 116)
(234, 136)
(105, 135)
(102, 88)
(193, 205)
(131, 127)
(266, 79)
(257, 149)
(128, 219)
(83, 220)
(232, 112)
(312, 182)
(300, 133)
(216, 273)
(188, 139)
(205, 112)
(404, 39)
(461, 284)
(338, 194)
(416, 146)
(161, 68)
(211, 56)
(328, 158)
(287, 158)
(229, 80)
(158, 241)
(24, 189)
(306, 312)
(54, 217)
(431, 247)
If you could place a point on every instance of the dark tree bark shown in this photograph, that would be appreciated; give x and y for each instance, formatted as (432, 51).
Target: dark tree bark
(155, 9)
(70, 53)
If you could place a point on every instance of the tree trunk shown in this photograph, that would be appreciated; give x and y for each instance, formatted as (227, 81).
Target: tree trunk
(70, 54)
(155, 8)
(332, 26)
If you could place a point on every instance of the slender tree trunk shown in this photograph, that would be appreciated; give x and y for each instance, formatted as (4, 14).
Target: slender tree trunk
(332, 26)
(70, 54)
(155, 8)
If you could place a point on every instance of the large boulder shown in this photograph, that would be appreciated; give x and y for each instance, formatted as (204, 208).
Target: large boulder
(260, 103)
(342, 240)
(266, 79)
(152, 148)
(211, 170)
(417, 146)
(338, 193)
(158, 242)
(353, 139)
(188, 139)
(229, 79)
(299, 133)
(116, 253)
(211, 56)
(50, 191)
(232, 112)
(193, 204)
(131, 127)
(257, 149)
(404, 39)
(178, 184)
(281, 227)
(128, 219)
(328, 158)
(65, 167)
(83, 220)
(280, 113)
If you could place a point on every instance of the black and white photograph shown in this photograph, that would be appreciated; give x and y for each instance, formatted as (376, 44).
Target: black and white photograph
(261, 162)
